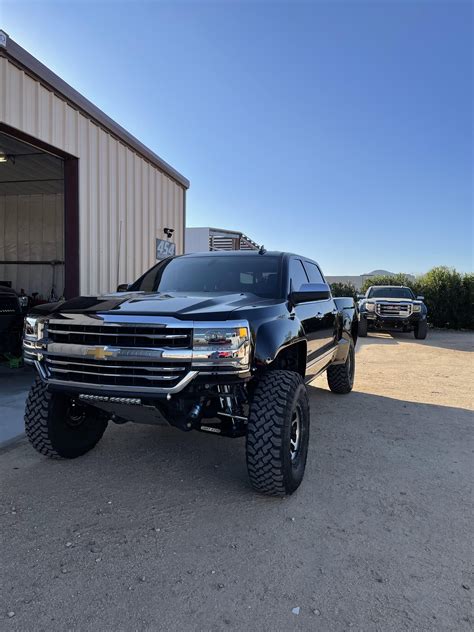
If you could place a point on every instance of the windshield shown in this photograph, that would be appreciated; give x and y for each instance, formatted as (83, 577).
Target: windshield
(391, 292)
(259, 275)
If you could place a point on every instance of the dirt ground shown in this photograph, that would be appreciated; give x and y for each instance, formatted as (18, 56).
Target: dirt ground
(159, 530)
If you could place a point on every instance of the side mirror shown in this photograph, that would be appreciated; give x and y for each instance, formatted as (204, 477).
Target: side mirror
(311, 292)
(420, 298)
(123, 287)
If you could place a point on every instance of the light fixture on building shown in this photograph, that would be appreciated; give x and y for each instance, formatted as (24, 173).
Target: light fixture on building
(6, 157)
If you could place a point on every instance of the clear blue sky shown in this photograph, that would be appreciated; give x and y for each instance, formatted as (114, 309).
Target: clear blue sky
(341, 130)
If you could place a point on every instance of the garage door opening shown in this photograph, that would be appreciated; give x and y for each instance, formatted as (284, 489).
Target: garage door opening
(31, 220)
(39, 260)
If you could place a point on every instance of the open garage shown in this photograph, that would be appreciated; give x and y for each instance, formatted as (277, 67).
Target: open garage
(32, 218)
(82, 201)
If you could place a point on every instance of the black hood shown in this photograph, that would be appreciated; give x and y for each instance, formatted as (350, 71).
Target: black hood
(7, 291)
(198, 306)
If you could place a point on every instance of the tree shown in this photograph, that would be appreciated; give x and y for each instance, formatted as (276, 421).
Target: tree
(447, 295)
(343, 289)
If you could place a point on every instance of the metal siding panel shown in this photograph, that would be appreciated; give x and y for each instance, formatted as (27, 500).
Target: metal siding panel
(130, 224)
(117, 187)
(91, 237)
(146, 237)
(103, 210)
(112, 215)
(122, 201)
(152, 216)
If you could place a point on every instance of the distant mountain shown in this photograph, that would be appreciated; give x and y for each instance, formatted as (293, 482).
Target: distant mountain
(379, 273)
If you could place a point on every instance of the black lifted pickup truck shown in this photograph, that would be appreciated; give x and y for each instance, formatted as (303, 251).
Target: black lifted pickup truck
(219, 342)
(392, 307)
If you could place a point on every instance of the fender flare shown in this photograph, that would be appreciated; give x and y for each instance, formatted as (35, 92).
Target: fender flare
(274, 336)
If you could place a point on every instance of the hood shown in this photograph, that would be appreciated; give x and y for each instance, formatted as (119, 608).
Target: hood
(7, 291)
(381, 299)
(184, 306)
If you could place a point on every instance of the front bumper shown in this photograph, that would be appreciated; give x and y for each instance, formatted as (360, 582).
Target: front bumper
(67, 365)
(392, 322)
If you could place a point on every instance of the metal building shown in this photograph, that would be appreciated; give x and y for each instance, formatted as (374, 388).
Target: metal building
(82, 201)
(207, 239)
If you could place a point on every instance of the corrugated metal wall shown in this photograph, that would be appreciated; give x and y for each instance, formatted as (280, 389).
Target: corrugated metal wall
(124, 201)
(32, 229)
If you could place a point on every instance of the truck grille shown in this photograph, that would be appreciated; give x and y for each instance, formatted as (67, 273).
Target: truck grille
(115, 372)
(402, 310)
(9, 305)
(121, 336)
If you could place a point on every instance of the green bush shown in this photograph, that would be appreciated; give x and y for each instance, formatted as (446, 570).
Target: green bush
(449, 295)
(343, 289)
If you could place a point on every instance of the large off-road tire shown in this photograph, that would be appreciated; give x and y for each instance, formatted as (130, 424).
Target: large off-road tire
(58, 429)
(341, 376)
(278, 433)
(421, 330)
(363, 326)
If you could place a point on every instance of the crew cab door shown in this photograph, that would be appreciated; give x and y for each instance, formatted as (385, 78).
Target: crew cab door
(326, 314)
(317, 317)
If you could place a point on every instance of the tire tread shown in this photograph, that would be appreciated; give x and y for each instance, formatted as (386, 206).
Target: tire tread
(265, 428)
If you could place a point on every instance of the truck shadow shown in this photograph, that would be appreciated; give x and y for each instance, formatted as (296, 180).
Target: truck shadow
(151, 471)
(438, 338)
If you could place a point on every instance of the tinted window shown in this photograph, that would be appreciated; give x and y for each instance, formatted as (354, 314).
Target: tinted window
(391, 292)
(313, 272)
(257, 274)
(297, 274)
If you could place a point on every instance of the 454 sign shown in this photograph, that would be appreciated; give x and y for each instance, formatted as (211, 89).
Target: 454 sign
(165, 248)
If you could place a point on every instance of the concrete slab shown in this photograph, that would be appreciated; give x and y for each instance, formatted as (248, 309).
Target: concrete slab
(14, 387)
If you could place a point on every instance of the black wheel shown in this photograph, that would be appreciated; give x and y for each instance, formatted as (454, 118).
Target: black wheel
(341, 376)
(58, 428)
(421, 330)
(363, 325)
(278, 433)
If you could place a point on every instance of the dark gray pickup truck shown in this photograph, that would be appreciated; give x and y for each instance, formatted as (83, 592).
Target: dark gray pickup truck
(223, 343)
(392, 307)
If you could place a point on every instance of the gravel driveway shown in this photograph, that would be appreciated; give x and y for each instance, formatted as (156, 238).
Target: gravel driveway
(159, 530)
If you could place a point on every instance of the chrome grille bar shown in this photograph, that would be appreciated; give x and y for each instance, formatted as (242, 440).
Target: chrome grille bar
(101, 333)
(164, 369)
(159, 378)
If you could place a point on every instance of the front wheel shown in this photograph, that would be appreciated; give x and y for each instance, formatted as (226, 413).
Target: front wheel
(57, 428)
(341, 376)
(363, 327)
(421, 330)
(278, 433)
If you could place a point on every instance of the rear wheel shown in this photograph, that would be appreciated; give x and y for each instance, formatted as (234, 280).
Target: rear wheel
(363, 325)
(341, 376)
(58, 428)
(278, 433)
(421, 330)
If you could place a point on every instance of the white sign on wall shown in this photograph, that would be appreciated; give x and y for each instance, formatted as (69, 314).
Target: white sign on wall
(165, 248)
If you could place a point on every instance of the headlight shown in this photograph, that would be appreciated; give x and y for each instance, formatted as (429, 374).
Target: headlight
(34, 327)
(33, 332)
(370, 307)
(417, 308)
(228, 345)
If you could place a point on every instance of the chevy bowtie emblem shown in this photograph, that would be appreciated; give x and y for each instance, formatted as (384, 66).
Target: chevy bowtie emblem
(100, 353)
